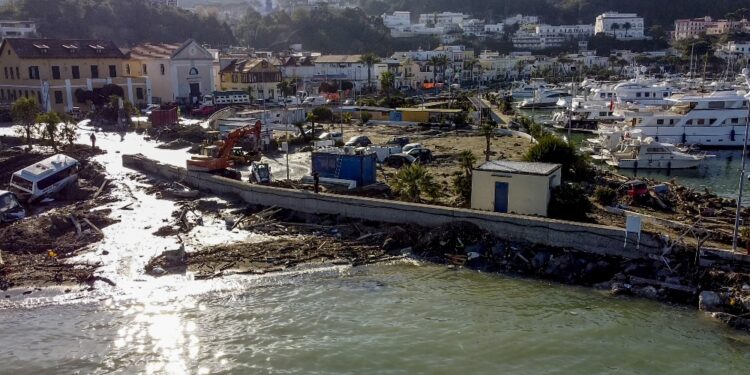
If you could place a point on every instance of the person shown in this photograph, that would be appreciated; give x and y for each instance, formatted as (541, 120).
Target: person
(93, 141)
(316, 181)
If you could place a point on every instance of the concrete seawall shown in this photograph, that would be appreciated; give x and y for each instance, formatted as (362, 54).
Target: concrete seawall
(585, 237)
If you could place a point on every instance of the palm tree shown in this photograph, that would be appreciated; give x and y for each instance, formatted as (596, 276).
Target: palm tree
(25, 111)
(627, 26)
(369, 59)
(387, 81)
(469, 65)
(284, 87)
(614, 28)
(311, 117)
(488, 131)
(414, 180)
(467, 160)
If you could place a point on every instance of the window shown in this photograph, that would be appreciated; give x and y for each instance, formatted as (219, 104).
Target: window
(18, 73)
(127, 69)
(11, 74)
(55, 72)
(647, 94)
(638, 95)
(94, 71)
(665, 94)
(689, 122)
(701, 121)
(113, 71)
(162, 69)
(55, 178)
(145, 69)
(76, 72)
(716, 105)
(33, 72)
(660, 122)
(58, 97)
(6, 72)
(735, 120)
(138, 93)
(712, 121)
(671, 121)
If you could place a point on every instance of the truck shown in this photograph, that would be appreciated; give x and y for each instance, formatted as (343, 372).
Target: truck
(224, 98)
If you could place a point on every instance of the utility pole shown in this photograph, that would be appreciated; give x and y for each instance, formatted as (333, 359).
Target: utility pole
(745, 73)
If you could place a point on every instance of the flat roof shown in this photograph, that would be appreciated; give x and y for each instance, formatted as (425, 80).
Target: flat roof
(430, 110)
(46, 167)
(520, 167)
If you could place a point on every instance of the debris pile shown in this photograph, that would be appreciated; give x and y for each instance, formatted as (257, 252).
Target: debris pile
(185, 133)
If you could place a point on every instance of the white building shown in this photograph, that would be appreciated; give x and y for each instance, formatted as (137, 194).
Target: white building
(736, 48)
(568, 31)
(343, 68)
(397, 20)
(442, 19)
(494, 28)
(548, 36)
(17, 29)
(623, 26)
(473, 27)
(178, 72)
(514, 187)
(520, 19)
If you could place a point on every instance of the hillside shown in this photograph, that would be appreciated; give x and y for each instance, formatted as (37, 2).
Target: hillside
(656, 12)
(125, 22)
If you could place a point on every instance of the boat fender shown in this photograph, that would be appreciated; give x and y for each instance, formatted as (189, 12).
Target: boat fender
(731, 135)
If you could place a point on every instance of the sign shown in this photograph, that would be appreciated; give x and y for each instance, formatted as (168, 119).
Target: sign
(285, 146)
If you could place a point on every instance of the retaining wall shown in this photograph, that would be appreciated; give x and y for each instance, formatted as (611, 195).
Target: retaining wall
(584, 237)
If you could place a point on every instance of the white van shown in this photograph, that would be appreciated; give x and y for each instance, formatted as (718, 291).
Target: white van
(45, 177)
(314, 101)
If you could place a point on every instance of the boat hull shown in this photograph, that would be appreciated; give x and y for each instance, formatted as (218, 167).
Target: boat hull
(704, 136)
(656, 164)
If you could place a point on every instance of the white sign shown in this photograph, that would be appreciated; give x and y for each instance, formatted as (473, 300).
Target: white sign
(285, 146)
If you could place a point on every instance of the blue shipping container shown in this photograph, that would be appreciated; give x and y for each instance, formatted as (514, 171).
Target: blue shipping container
(360, 168)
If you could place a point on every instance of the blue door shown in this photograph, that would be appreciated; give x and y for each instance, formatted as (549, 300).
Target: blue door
(501, 197)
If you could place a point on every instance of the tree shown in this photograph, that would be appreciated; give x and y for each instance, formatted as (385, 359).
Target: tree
(25, 112)
(68, 132)
(551, 149)
(365, 117)
(414, 180)
(311, 118)
(627, 26)
(387, 81)
(487, 130)
(462, 179)
(370, 60)
(322, 114)
(50, 122)
(469, 65)
(285, 88)
(614, 28)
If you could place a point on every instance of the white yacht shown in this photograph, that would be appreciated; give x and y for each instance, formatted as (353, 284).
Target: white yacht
(585, 116)
(649, 154)
(714, 120)
(546, 99)
(522, 90)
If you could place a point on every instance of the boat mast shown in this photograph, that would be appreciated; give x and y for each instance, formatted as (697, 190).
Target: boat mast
(745, 73)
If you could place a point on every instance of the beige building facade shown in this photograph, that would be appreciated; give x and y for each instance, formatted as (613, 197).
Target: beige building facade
(514, 187)
(51, 71)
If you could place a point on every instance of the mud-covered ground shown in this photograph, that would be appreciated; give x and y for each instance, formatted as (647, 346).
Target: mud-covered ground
(35, 250)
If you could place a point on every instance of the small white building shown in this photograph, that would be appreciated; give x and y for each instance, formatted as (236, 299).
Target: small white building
(514, 187)
(17, 29)
(622, 26)
(442, 19)
(494, 28)
(397, 19)
(736, 48)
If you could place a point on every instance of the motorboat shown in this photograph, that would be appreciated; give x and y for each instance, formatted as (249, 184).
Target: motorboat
(649, 154)
(546, 99)
(522, 90)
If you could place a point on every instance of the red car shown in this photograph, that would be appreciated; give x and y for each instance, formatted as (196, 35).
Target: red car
(635, 189)
(203, 111)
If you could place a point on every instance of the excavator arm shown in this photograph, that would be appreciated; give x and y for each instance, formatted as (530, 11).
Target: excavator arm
(224, 153)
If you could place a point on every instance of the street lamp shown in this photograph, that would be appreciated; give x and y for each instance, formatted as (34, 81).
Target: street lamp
(745, 73)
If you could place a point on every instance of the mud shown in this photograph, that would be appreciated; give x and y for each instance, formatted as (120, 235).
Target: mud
(35, 249)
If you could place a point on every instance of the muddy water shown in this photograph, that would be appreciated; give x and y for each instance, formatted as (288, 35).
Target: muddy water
(398, 318)
(394, 319)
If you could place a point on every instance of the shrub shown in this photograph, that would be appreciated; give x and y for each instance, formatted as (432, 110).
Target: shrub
(605, 195)
(569, 202)
(550, 149)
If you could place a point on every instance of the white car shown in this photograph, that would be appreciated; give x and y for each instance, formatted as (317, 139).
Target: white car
(334, 136)
(147, 111)
(410, 147)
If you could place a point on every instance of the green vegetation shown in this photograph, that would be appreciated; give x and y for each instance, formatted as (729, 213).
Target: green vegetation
(605, 195)
(125, 22)
(551, 149)
(50, 132)
(326, 30)
(25, 112)
(569, 202)
(412, 181)
(462, 179)
(487, 130)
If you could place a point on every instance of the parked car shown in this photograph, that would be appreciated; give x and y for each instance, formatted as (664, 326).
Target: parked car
(147, 111)
(349, 102)
(399, 160)
(410, 146)
(399, 141)
(204, 111)
(359, 141)
(423, 155)
(10, 209)
(333, 136)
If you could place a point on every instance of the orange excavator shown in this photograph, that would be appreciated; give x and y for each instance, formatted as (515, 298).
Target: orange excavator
(218, 157)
